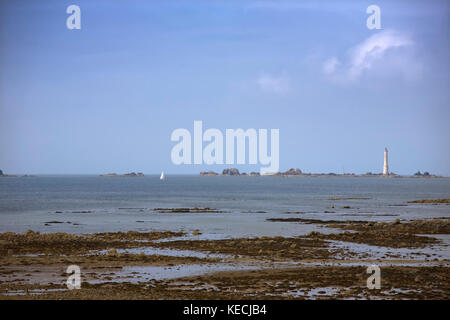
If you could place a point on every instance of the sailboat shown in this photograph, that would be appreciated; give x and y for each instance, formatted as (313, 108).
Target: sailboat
(162, 176)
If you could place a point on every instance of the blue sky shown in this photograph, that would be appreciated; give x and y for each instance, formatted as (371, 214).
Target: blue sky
(106, 98)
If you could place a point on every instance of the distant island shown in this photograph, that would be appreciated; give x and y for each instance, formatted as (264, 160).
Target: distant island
(229, 172)
(131, 174)
(12, 175)
(296, 172)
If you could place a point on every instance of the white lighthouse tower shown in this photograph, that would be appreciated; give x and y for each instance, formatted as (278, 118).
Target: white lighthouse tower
(385, 166)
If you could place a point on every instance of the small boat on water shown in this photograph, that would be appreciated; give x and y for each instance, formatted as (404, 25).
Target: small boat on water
(162, 176)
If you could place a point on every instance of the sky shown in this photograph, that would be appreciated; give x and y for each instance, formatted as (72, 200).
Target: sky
(106, 98)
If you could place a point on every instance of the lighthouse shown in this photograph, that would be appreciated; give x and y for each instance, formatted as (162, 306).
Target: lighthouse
(385, 166)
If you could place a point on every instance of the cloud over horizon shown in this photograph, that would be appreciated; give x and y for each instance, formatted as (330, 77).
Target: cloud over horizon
(274, 84)
(370, 55)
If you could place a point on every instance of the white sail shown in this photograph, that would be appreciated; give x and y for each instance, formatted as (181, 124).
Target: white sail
(162, 176)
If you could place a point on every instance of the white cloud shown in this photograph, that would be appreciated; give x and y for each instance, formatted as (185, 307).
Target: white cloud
(369, 55)
(374, 48)
(274, 84)
(330, 65)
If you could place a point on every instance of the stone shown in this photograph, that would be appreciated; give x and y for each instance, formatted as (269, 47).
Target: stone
(208, 173)
(231, 172)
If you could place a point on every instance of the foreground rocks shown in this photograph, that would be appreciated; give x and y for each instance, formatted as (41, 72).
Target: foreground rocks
(32, 242)
(431, 201)
(271, 248)
(287, 283)
(389, 234)
(32, 265)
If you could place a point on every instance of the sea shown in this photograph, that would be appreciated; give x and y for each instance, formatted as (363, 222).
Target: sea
(84, 204)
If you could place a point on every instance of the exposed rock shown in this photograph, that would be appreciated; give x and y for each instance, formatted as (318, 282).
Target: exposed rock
(230, 172)
(394, 234)
(292, 172)
(6, 175)
(431, 201)
(109, 175)
(131, 174)
(426, 174)
(186, 210)
(208, 173)
(253, 173)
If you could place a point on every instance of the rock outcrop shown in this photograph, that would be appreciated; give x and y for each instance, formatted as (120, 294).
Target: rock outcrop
(131, 174)
(230, 172)
(291, 172)
(208, 173)
(134, 174)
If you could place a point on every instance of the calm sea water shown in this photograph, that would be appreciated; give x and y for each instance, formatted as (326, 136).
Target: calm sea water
(246, 202)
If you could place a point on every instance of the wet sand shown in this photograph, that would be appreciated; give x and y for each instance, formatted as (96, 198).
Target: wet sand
(412, 255)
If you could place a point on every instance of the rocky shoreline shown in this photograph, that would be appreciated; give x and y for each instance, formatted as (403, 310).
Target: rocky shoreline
(296, 172)
(3, 175)
(115, 175)
(313, 266)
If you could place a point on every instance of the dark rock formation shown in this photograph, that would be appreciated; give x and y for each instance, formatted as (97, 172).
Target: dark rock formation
(1, 172)
(291, 172)
(131, 174)
(230, 172)
(208, 173)
(254, 174)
